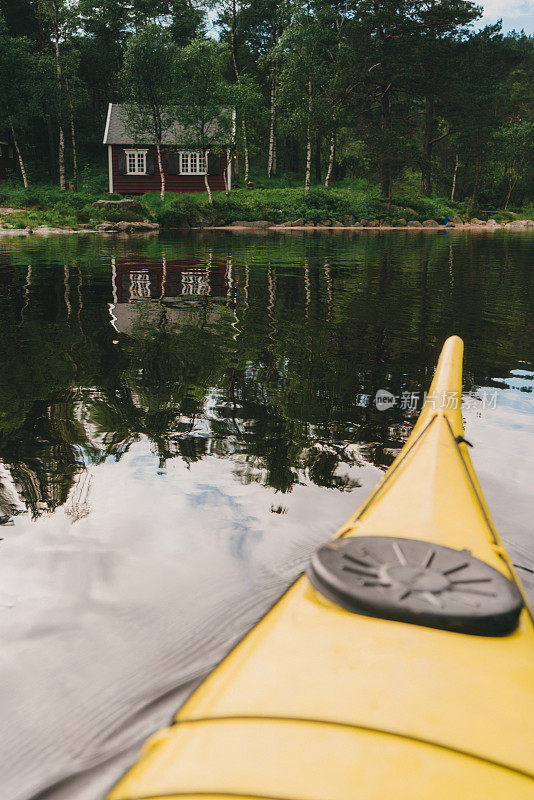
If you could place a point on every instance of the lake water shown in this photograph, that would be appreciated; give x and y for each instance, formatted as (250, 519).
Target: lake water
(183, 420)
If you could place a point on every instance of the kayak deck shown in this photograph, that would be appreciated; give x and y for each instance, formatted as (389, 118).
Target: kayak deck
(318, 703)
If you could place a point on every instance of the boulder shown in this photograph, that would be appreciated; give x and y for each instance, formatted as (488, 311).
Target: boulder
(119, 205)
(430, 223)
(457, 220)
(520, 224)
(336, 224)
(297, 223)
(364, 223)
(326, 222)
(493, 223)
(476, 221)
(15, 231)
(348, 219)
(46, 230)
(399, 223)
(262, 223)
(414, 223)
(248, 224)
(106, 227)
(310, 224)
(373, 223)
(137, 227)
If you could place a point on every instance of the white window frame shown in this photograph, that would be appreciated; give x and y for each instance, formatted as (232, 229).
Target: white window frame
(136, 154)
(192, 160)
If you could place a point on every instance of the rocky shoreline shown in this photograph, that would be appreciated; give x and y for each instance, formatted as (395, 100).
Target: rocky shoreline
(118, 227)
(428, 224)
(130, 207)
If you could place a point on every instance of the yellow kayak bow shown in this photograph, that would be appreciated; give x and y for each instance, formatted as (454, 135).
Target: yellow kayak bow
(401, 667)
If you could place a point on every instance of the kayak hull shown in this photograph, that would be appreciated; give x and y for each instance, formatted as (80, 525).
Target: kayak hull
(319, 703)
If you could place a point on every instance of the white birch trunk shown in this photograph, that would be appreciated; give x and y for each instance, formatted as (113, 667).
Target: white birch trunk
(238, 81)
(161, 172)
(225, 178)
(330, 159)
(17, 150)
(245, 149)
(61, 151)
(454, 178)
(308, 139)
(271, 169)
(73, 135)
(206, 183)
(61, 157)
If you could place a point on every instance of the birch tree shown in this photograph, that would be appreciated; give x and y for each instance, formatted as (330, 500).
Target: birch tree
(17, 89)
(203, 100)
(148, 78)
(441, 25)
(228, 21)
(59, 18)
(305, 74)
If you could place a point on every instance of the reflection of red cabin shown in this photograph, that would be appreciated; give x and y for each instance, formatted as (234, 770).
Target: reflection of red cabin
(140, 278)
(7, 160)
(133, 167)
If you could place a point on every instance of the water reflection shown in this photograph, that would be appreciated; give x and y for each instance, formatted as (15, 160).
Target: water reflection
(268, 353)
(181, 421)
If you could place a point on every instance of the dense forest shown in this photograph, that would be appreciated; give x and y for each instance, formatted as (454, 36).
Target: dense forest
(401, 92)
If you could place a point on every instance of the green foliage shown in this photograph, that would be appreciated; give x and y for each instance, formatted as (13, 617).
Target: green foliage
(282, 205)
(202, 95)
(402, 86)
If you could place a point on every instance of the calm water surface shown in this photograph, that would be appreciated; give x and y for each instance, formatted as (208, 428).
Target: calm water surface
(181, 423)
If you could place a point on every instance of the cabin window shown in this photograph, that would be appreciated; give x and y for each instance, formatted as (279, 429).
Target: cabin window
(192, 163)
(136, 162)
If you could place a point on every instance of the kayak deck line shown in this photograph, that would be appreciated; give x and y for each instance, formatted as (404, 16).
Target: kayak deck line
(355, 726)
(387, 477)
(318, 702)
(351, 528)
(208, 796)
(498, 546)
(489, 523)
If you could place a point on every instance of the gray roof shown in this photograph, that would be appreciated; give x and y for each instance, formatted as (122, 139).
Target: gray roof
(116, 129)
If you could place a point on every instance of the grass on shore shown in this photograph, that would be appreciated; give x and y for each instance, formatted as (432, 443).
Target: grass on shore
(47, 205)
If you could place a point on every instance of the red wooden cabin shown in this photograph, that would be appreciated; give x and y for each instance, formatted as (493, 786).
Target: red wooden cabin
(7, 160)
(133, 167)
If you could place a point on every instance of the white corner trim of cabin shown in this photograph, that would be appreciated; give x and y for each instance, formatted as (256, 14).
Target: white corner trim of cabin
(110, 168)
(110, 149)
(108, 120)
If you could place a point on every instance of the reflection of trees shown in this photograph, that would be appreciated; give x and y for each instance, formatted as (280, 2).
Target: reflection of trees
(280, 377)
(171, 367)
(48, 451)
(43, 443)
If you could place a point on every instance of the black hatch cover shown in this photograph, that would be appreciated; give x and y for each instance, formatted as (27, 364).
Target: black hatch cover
(417, 582)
